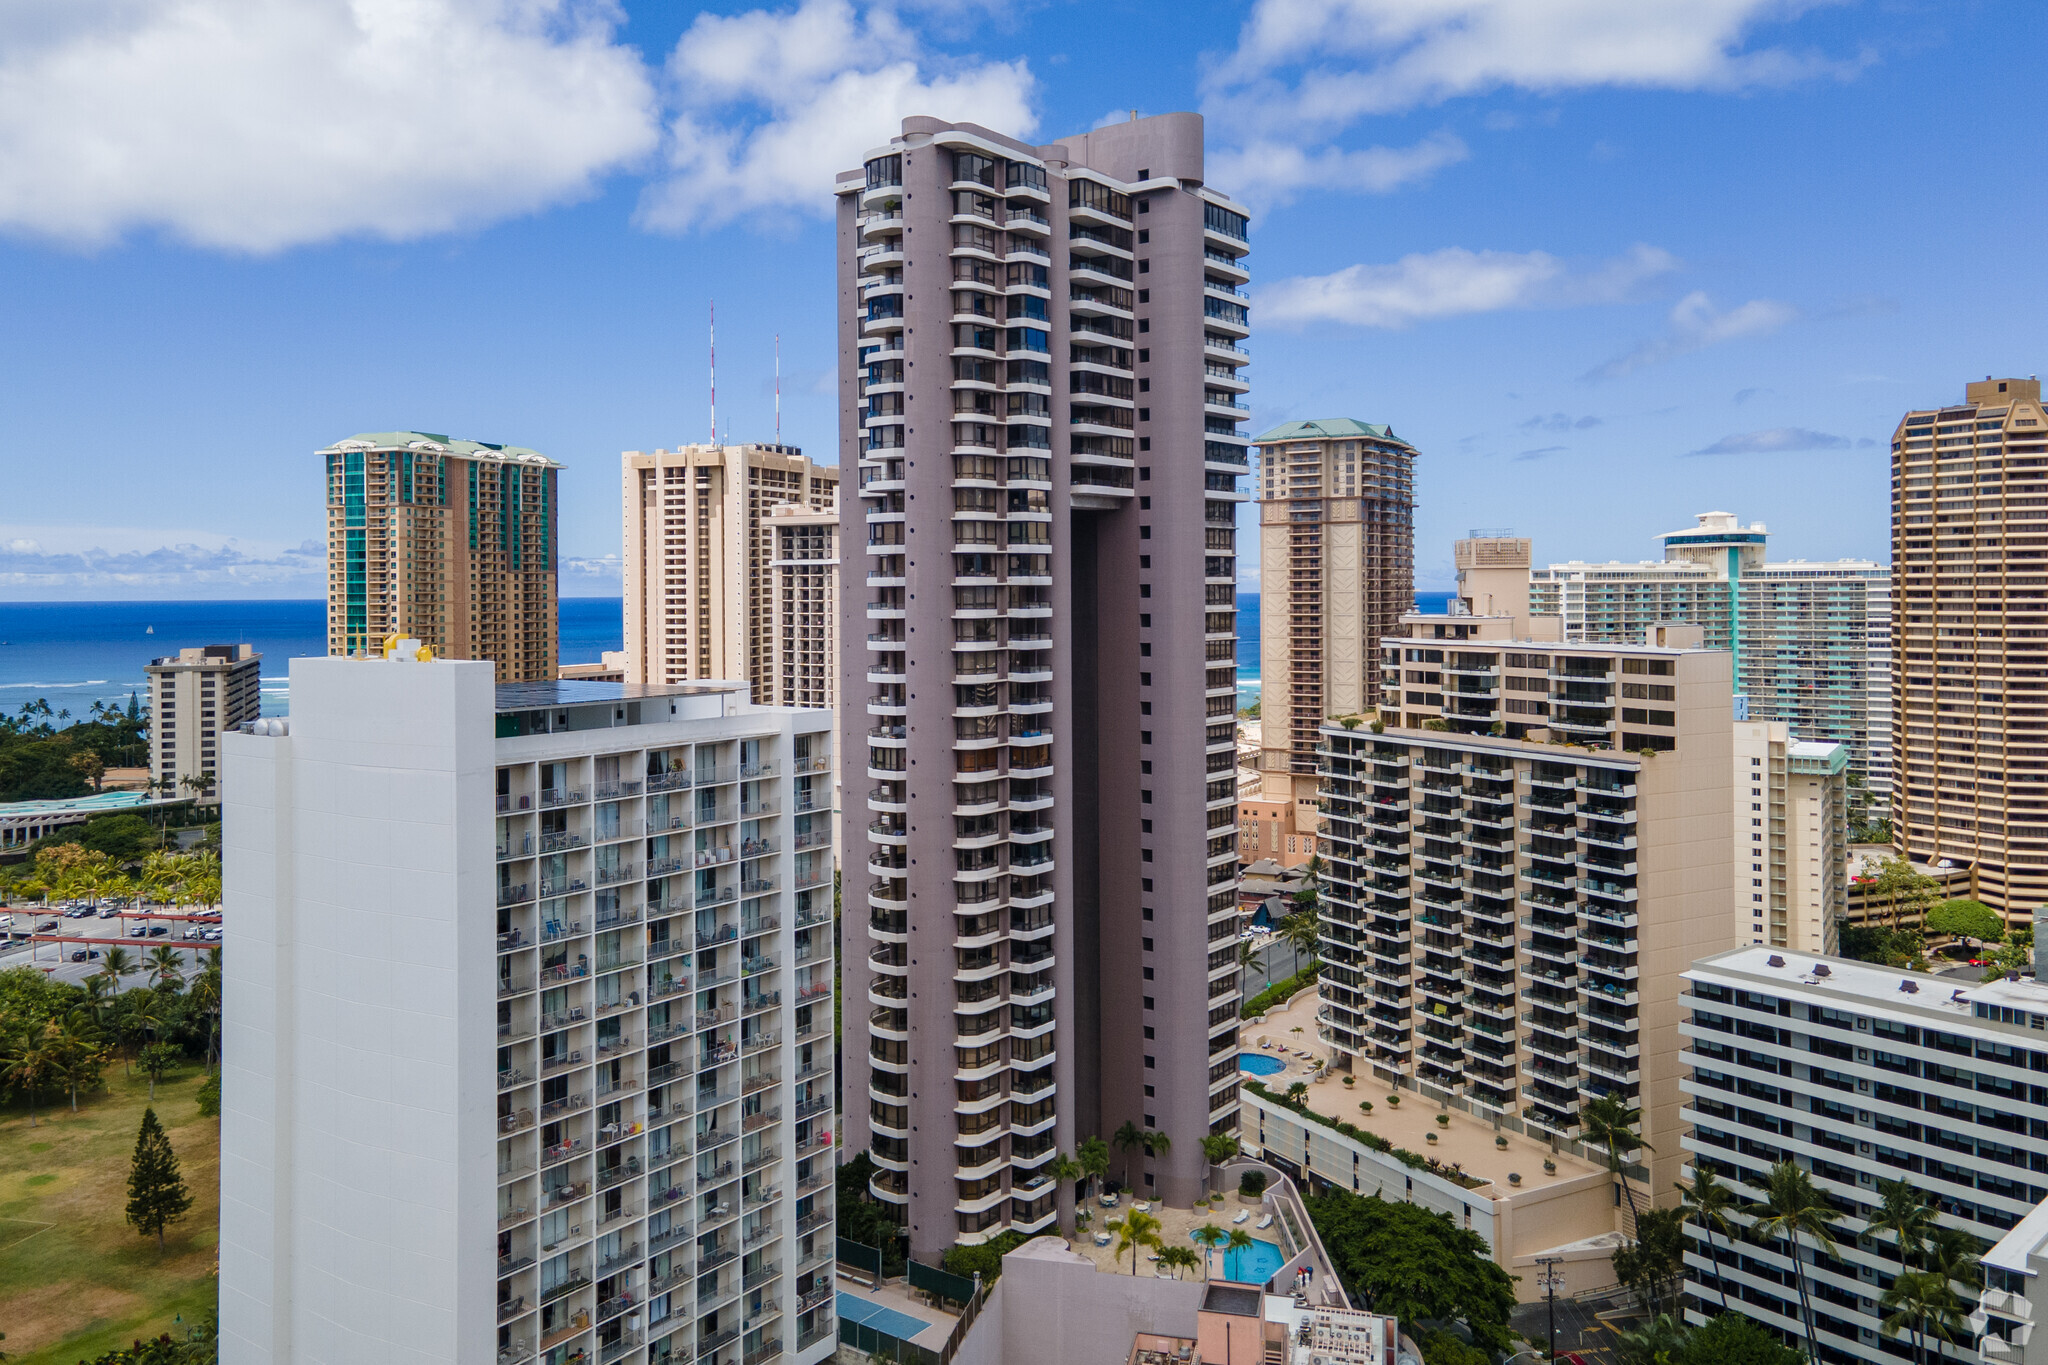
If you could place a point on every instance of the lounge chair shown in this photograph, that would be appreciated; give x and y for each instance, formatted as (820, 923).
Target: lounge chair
(1242, 1215)
(1265, 1222)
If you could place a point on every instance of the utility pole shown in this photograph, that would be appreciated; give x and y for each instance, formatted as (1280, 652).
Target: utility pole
(1549, 1278)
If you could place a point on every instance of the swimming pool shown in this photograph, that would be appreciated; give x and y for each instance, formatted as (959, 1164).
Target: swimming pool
(1256, 1264)
(1259, 1066)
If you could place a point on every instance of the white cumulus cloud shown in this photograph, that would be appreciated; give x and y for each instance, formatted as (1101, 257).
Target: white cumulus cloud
(1330, 61)
(257, 125)
(1304, 72)
(1266, 173)
(772, 104)
(1452, 282)
(1695, 323)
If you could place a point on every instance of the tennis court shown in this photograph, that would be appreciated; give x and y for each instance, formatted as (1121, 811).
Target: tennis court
(862, 1313)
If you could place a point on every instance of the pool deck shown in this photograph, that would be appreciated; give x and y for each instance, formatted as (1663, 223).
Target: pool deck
(1176, 1224)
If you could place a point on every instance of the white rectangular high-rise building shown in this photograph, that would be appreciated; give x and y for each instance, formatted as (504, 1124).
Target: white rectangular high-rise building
(1811, 640)
(1860, 1074)
(528, 1024)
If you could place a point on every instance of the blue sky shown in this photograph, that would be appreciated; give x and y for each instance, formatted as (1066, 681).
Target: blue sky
(1605, 263)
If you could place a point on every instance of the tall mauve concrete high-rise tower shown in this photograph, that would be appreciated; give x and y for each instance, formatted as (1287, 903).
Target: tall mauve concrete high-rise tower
(1041, 392)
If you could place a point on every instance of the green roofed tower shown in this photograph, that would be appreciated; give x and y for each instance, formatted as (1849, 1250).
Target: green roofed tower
(1336, 503)
(451, 542)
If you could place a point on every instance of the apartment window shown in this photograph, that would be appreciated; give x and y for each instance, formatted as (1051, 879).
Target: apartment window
(1148, 1062)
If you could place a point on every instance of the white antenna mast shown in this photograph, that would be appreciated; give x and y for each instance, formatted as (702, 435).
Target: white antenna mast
(778, 388)
(714, 371)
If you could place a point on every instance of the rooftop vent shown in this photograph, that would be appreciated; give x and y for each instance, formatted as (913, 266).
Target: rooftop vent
(1775, 961)
(1955, 996)
(1910, 987)
(1821, 969)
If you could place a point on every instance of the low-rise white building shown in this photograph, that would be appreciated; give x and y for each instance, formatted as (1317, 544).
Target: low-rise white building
(1859, 1074)
(529, 1024)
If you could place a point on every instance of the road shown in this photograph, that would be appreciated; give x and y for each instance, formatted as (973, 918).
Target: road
(1278, 960)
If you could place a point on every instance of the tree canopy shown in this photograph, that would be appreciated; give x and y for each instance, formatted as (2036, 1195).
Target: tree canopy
(1966, 919)
(1405, 1260)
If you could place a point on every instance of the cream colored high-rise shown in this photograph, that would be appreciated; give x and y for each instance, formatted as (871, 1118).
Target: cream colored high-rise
(804, 606)
(196, 696)
(1791, 838)
(1524, 854)
(1970, 651)
(1336, 502)
(699, 550)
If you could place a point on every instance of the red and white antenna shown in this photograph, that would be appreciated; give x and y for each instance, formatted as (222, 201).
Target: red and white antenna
(778, 388)
(714, 371)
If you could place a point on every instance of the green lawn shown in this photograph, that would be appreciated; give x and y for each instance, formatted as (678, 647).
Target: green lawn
(79, 1280)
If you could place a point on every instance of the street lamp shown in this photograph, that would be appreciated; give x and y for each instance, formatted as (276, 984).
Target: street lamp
(1548, 1278)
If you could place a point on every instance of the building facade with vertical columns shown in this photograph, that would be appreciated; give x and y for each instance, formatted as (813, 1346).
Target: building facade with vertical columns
(700, 551)
(1970, 674)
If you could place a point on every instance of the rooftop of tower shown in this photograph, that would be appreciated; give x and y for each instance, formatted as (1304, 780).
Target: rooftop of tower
(1325, 429)
(439, 445)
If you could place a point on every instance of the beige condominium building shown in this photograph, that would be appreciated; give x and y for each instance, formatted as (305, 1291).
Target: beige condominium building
(450, 542)
(803, 665)
(195, 696)
(1040, 385)
(700, 583)
(1336, 501)
(1791, 838)
(1970, 710)
(1525, 850)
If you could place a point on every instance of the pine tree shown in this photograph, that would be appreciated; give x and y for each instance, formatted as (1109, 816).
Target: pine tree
(156, 1192)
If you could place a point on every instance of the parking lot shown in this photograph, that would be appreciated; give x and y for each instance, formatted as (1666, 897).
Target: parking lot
(68, 940)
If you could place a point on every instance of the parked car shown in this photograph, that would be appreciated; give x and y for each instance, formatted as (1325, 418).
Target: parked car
(48, 926)
(109, 911)
(85, 954)
(137, 932)
(158, 930)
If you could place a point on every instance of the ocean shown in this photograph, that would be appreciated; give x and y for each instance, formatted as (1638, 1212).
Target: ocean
(76, 653)
(1248, 639)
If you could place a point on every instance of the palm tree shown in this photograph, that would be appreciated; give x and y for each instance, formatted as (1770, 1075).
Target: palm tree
(1239, 1240)
(1218, 1148)
(1794, 1209)
(1135, 1229)
(1610, 1123)
(1706, 1203)
(206, 994)
(1912, 1303)
(1157, 1144)
(1653, 1343)
(1906, 1216)
(1953, 1255)
(1128, 1139)
(166, 968)
(31, 1060)
(79, 1051)
(1177, 1259)
(116, 963)
(1211, 1237)
(1093, 1156)
(160, 873)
